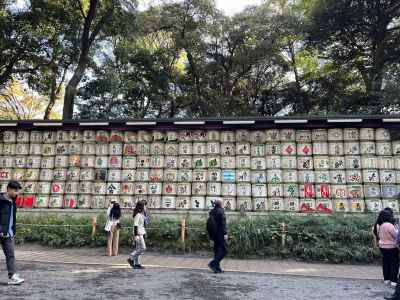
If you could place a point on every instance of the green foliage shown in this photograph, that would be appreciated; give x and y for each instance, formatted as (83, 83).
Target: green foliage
(336, 239)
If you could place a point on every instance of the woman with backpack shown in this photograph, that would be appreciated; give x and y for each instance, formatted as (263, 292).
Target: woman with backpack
(112, 227)
(386, 235)
(139, 233)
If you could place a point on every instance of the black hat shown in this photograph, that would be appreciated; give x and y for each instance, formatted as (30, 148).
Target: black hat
(14, 185)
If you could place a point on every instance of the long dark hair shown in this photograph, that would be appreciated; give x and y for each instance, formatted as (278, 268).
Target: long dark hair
(115, 212)
(385, 215)
(139, 208)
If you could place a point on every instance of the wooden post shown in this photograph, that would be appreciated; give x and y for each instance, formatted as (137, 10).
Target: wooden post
(94, 224)
(183, 232)
(284, 229)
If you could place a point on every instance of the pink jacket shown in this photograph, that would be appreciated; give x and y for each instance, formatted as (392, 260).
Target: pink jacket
(387, 236)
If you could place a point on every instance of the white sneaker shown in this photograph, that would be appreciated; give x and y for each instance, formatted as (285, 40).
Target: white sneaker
(386, 282)
(15, 280)
(393, 284)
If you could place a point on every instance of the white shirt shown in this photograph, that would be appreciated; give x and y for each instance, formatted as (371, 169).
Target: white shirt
(110, 222)
(139, 222)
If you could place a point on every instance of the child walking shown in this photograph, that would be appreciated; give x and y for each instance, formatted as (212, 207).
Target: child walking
(139, 233)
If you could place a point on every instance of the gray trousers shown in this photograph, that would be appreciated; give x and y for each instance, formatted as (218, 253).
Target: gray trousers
(140, 248)
(8, 248)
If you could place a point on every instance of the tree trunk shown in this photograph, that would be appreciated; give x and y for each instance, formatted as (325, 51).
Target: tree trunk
(71, 91)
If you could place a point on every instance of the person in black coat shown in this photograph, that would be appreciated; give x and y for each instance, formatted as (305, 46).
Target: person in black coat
(218, 233)
(8, 216)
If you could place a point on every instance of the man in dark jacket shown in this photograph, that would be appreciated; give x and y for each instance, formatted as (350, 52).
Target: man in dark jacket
(8, 215)
(219, 236)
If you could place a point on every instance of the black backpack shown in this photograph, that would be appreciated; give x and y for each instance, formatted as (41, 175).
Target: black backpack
(211, 227)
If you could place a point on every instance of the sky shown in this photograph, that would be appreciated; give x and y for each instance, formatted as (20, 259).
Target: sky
(231, 7)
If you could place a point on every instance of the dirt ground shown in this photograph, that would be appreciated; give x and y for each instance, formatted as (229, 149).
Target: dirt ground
(79, 282)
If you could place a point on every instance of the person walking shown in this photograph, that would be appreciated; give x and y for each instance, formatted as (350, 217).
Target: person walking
(387, 242)
(112, 227)
(139, 233)
(216, 227)
(8, 215)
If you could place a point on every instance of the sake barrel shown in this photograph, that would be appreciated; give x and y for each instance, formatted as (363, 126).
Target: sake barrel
(184, 189)
(351, 148)
(228, 137)
(396, 148)
(171, 162)
(168, 202)
(336, 148)
(111, 198)
(319, 135)
(213, 135)
(142, 162)
(75, 148)
(158, 136)
(214, 189)
(335, 134)
(84, 201)
(367, 134)
(172, 136)
(351, 134)
(42, 201)
(228, 162)
(273, 149)
(306, 176)
(99, 188)
(18, 174)
(9, 149)
(257, 137)
(56, 201)
(243, 148)
(389, 191)
(154, 202)
(130, 136)
(22, 149)
(242, 135)
(213, 161)
(34, 149)
(46, 175)
(275, 190)
(288, 162)
(243, 162)
(274, 161)
(197, 202)
(199, 188)
(385, 162)
(36, 137)
(383, 148)
(305, 163)
(291, 190)
(33, 161)
(303, 136)
(184, 175)
(307, 190)
(102, 149)
(339, 191)
(75, 136)
(20, 161)
(341, 205)
(199, 135)
(229, 203)
(60, 136)
(49, 136)
(353, 162)
(355, 191)
(228, 189)
(274, 176)
(243, 175)
(157, 149)
(373, 205)
(307, 205)
(185, 149)
(387, 177)
(32, 174)
(98, 201)
(114, 175)
(157, 161)
(1, 146)
(260, 204)
(272, 135)
(201, 148)
(141, 174)
(275, 204)
(230, 175)
(185, 162)
(101, 162)
(185, 135)
(357, 205)
(369, 162)
(370, 176)
(214, 175)
(89, 136)
(244, 204)
(258, 163)
(322, 176)
(324, 206)
(3, 186)
(57, 187)
(130, 149)
(372, 191)
(182, 202)
(289, 176)
(73, 174)
(85, 187)
(321, 162)
(127, 188)
(291, 205)
(257, 150)
(257, 177)
(382, 134)
(144, 136)
(320, 148)
(259, 190)
(71, 187)
(89, 148)
(127, 175)
(304, 149)
(289, 148)
(171, 175)
(29, 187)
(88, 161)
(48, 149)
(74, 160)
(112, 188)
(354, 176)
(115, 149)
(47, 162)
(169, 188)
(397, 176)
(144, 149)
(392, 203)
(288, 135)
(367, 148)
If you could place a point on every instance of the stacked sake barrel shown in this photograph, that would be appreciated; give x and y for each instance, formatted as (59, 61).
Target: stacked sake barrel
(325, 170)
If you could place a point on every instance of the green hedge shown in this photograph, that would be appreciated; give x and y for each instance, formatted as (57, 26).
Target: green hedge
(338, 239)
